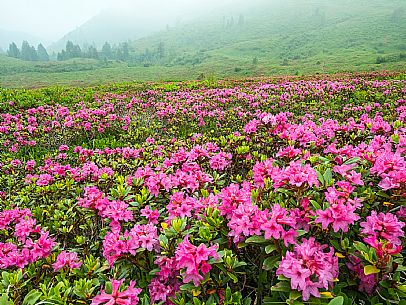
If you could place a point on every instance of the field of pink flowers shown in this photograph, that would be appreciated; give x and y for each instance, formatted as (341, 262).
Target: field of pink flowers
(248, 192)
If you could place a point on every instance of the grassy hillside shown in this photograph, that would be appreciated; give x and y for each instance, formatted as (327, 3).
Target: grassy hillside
(309, 36)
(269, 38)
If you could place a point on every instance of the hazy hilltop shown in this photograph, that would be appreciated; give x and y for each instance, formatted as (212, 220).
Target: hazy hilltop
(110, 27)
(134, 20)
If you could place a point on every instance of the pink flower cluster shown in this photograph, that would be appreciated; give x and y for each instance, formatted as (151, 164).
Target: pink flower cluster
(182, 206)
(391, 167)
(247, 220)
(190, 177)
(115, 210)
(166, 283)
(382, 228)
(140, 236)
(232, 196)
(67, 259)
(194, 259)
(309, 268)
(296, 174)
(220, 161)
(126, 297)
(341, 212)
(31, 243)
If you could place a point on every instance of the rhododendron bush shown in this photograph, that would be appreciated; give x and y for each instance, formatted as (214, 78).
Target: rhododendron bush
(242, 192)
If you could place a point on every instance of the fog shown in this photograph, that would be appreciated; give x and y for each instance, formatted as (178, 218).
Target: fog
(202, 25)
(50, 19)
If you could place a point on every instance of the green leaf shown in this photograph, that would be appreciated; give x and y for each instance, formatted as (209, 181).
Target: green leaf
(270, 262)
(294, 295)
(315, 204)
(282, 287)
(4, 300)
(370, 269)
(352, 160)
(360, 247)
(328, 177)
(255, 240)
(233, 277)
(337, 301)
(270, 248)
(320, 177)
(32, 297)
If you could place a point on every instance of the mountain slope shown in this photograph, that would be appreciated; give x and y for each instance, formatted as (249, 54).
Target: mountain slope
(289, 33)
(106, 27)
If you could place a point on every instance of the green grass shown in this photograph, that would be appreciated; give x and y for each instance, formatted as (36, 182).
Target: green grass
(294, 39)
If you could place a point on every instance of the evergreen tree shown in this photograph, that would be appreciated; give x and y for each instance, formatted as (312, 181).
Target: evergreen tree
(92, 52)
(26, 51)
(69, 50)
(72, 50)
(77, 52)
(42, 53)
(125, 50)
(62, 55)
(33, 54)
(13, 50)
(106, 51)
(119, 54)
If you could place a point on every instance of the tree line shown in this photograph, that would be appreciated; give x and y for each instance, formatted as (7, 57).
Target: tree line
(28, 52)
(121, 52)
(75, 51)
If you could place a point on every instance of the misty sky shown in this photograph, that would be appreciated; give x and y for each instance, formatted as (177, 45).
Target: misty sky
(51, 19)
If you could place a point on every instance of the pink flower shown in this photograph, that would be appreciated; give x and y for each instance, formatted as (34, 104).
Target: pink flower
(150, 140)
(194, 259)
(263, 170)
(273, 225)
(231, 197)
(251, 127)
(309, 268)
(140, 236)
(382, 227)
(245, 221)
(288, 152)
(63, 148)
(29, 165)
(126, 297)
(66, 259)
(339, 214)
(15, 163)
(24, 228)
(151, 215)
(44, 179)
(220, 161)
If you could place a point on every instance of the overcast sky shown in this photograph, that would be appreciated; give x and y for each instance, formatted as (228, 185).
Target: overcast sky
(51, 19)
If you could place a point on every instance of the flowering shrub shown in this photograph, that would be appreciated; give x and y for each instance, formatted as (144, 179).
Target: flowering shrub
(239, 192)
